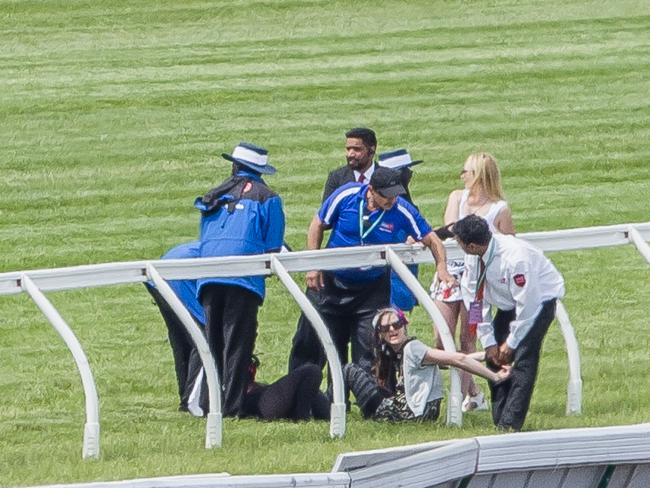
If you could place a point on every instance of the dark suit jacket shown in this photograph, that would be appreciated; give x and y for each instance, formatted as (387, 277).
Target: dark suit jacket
(345, 174)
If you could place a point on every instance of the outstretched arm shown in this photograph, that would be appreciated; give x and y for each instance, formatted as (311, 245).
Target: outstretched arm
(464, 362)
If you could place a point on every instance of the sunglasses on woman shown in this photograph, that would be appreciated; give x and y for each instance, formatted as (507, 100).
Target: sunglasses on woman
(398, 324)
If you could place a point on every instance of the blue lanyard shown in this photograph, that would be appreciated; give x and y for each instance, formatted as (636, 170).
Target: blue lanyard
(363, 234)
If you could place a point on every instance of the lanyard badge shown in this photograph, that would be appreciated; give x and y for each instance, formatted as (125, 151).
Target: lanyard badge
(362, 234)
(475, 312)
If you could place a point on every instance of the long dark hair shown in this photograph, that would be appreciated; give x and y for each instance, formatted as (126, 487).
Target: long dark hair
(383, 366)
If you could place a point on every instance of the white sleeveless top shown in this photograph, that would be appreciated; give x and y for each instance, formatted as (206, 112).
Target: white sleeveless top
(490, 217)
(455, 267)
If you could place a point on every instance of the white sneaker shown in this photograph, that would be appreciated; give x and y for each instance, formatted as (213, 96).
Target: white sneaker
(475, 403)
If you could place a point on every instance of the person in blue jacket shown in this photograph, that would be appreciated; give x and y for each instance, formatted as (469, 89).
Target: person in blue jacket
(364, 214)
(186, 359)
(242, 216)
(295, 396)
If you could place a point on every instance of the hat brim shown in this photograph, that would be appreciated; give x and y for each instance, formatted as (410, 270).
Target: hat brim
(391, 191)
(401, 166)
(267, 169)
(413, 163)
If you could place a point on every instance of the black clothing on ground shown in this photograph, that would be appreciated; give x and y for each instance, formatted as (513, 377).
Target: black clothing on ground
(511, 398)
(296, 396)
(231, 328)
(306, 347)
(364, 386)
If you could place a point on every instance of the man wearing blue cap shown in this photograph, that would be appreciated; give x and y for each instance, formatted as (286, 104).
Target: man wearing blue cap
(364, 214)
(360, 150)
(241, 216)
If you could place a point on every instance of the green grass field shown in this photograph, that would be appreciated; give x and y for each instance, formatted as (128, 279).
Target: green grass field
(113, 117)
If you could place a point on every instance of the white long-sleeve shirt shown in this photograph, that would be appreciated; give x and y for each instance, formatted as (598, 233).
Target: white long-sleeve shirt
(518, 277)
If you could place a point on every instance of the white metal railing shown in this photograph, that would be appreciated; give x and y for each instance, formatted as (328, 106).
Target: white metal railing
(37, 281)
(135, 271)
(574, 388)
(91, 429)
(337, 415)
(635, 237)
(214, 431)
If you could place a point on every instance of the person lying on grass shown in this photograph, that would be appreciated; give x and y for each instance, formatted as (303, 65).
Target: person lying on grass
(405, 382)
(295, 396)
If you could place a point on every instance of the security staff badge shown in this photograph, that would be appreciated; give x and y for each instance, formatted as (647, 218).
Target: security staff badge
(475, 315)
(520, 280)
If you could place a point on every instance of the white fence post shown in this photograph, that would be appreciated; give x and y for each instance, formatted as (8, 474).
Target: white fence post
(214, 424)
(91, 428)
(642, 246)
(454, 412)
(574, 388)
(337, 419)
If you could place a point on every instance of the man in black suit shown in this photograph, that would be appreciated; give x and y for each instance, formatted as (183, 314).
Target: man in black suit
(360, 149)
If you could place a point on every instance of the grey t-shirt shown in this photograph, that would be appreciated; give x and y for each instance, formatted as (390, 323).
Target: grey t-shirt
(422, 382)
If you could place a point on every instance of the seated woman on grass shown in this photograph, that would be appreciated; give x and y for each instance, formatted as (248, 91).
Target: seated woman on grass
(406, 383)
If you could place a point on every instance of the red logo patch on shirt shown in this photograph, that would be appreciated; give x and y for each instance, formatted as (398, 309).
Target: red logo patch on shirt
(519, 279)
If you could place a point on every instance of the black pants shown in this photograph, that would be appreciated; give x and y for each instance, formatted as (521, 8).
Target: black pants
(231, 329)
(511, 399)
(296, 396)
(306, 348)
(186, 360)
(365, 389)
(347, 311)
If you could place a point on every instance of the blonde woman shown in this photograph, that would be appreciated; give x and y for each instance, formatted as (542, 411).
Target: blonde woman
(482, 195)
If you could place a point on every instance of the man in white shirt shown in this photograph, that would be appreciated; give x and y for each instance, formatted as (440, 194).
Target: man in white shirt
(523, 285)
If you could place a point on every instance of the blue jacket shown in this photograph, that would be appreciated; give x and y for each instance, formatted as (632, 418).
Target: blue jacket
(186, 289)
(243, 216)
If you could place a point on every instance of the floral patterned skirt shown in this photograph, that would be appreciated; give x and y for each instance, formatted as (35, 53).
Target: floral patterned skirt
(395, 409)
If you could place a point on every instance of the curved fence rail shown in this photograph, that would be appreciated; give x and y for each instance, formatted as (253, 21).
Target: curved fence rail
(91, 428)
(38, 281)
(214, 434)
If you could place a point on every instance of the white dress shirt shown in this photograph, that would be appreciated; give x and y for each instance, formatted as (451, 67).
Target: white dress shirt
(367, 174)
(518, 277)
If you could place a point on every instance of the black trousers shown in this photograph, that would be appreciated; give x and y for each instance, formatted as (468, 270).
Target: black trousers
(511, 399)
(347, 312)
(296, 396)
(365, 388)
(306, 348)
(231, 329)
(186, 360)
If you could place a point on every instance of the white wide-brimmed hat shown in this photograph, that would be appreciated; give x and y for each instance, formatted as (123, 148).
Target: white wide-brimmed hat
(397, 159)
(251, 156)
